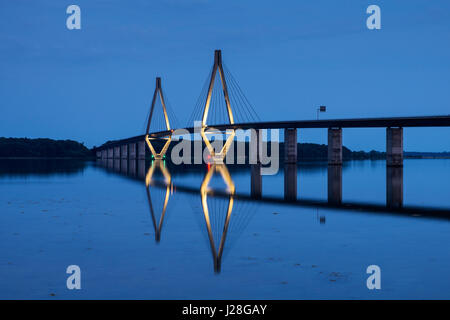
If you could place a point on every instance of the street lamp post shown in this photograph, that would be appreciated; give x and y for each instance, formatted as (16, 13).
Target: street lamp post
(321, 109)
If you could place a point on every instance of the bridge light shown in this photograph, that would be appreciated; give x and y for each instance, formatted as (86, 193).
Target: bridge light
(321, 109)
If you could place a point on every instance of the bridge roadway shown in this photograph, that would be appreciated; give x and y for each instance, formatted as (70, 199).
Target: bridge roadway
(400, 122)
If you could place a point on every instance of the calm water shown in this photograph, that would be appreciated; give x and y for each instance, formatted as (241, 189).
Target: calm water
(144, 233)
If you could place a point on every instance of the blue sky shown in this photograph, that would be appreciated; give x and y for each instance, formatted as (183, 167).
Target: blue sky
(289, 57)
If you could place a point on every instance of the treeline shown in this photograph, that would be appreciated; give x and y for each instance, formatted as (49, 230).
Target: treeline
(42, 148)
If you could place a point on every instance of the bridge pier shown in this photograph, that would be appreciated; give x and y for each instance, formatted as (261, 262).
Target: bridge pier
(141, 150)
(290, 164)
(132, 151)
(335, 184)
(104, 154)
(290, 145)
(124, 151)
(110, 153)
(394, 147)
(394, 186)
(334, 146)
(255, 164)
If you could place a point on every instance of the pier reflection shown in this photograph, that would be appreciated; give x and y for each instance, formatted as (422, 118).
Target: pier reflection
(335, 184)
(394, 187)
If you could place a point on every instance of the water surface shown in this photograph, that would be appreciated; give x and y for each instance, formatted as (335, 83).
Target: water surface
(142, 233)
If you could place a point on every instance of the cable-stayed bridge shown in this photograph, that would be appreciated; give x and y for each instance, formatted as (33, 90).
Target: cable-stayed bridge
(222, 106)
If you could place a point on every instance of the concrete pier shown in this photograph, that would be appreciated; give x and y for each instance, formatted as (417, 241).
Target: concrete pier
(290, 145)
(334, 146)
(141, 150)
(117, 152)
(335, 184)
(255, 164)
(124, 151)
(255, 146)
(110, 153)
(132, 151)
(394, 147)
(290, 167)
(394, 186)
(290, 181)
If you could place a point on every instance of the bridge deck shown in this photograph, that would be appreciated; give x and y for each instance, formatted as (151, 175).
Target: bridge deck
(423, 121)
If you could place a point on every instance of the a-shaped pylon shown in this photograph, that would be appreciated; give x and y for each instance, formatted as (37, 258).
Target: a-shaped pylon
(168, 183)
(158, 92)
(217, 156)
(204, 190)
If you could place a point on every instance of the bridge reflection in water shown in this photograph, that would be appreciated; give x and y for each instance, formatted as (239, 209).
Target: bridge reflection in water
(160, 165)
(219, 217)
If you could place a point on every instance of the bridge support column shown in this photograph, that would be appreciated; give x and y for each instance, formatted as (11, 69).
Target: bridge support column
(290, 145)
(124, 151)
(141, 150)
(394, 186)
(104, 154)
(334, 146)
(132, 151)
(394, 147)
(335, 184)
(117, 152)
(110, 153)
(290, 166)
(255, 164)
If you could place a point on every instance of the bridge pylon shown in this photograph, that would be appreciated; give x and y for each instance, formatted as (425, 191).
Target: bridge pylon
(158, 92)
(217, 67)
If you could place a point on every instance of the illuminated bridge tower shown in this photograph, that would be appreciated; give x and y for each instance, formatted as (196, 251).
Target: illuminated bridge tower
(166, 125)
(217, 67)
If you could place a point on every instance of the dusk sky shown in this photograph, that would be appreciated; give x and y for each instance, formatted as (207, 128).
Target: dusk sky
(289, 57)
